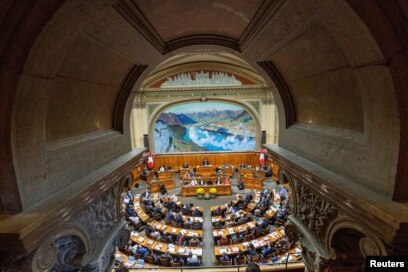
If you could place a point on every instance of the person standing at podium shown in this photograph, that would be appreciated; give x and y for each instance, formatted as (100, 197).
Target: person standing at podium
(206, 162)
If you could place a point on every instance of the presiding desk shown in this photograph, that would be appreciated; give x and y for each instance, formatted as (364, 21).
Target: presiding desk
(205, 171)
(188, 190)
(155, 185)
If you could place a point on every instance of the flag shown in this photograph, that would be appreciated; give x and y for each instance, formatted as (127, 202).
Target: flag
(261, 158)
(150, 161)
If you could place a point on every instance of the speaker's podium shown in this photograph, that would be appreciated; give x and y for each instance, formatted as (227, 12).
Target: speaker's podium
(205, 171)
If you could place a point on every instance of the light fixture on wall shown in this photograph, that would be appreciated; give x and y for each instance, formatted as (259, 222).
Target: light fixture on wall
(203, 99)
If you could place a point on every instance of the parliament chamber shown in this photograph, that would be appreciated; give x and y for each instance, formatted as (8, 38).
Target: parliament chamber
(169, 228)
(264, 131)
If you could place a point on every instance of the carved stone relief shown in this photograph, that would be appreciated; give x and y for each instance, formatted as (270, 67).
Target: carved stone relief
(99, 218)
(314, 211)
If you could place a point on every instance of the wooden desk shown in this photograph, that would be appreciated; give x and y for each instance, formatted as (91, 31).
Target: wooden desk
(205, 171)
(166, 229)
(192, 190)
(150, 176)
(155, 186)
(183, 171)
(227, 170)
(253, 183)
(162, 247)
(234, 230)
(166, 173)
(258, 243)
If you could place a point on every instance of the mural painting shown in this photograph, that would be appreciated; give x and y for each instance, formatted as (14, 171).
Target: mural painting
(210, 126)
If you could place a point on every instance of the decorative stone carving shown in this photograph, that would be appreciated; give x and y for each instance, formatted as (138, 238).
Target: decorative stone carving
(201, 79)
(314, 211)
(99, 218)
(45, 257)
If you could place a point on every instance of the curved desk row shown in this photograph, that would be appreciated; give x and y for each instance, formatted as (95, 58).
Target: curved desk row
(161, 247)
(166, 229)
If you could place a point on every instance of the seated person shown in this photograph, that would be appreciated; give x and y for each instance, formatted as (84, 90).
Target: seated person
(193, 182)
(196, 225)
(219, 182)
(135, 219)
(240, 256)
(188, 224)
(206, 162)
(162, 168)
(162, 189)
(209, 182)
(185, 165)
(242, 165)
(193, 260)
(181, 240)
(223, 240)
(227, 181)
(170, 216)
(251, 251)
(194, 240)
(241, 185)
(166, 256)
(146, 194)
(224, 257)
(178, 259)
(142, 251)
(179, 219)
(268, 249)
(169, 167)
(201, 181)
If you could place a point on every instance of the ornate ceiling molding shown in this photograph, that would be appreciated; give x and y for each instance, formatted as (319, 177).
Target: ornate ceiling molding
(216, 66)
(131, 12)
(263, 15)
(124, 95)
(283, 90)
(202, 39)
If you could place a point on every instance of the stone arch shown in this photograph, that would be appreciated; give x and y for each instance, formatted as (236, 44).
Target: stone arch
(66, 248)
(367, 242)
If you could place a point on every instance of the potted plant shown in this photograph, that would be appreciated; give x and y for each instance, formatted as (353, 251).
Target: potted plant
(213, 192)
(200, 192)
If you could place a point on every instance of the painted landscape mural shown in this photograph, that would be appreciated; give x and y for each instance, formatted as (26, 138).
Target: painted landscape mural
(210, 126)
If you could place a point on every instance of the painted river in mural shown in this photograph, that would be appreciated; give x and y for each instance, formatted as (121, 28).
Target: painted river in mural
(211, 126)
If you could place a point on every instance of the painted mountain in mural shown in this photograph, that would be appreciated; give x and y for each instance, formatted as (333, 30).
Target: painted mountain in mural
(176, 119)
(211, 127)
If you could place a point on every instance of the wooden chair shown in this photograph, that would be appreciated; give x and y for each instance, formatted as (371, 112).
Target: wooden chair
(249, 237)
(241, 261)
(164, 261)
(138, 256)
(255, 259)
(149, 259)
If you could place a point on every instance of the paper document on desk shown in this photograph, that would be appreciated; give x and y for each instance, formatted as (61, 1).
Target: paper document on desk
(150, 242)
(250, 224)
(140, 239)
(231, 230)
(173, 230)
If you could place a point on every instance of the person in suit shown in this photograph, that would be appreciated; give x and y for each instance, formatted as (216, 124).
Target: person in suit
(206, 162)
(185, 165)
(219, 182)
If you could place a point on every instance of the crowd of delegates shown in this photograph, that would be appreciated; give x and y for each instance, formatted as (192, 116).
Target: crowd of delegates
(173, 216)
(235, 213)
